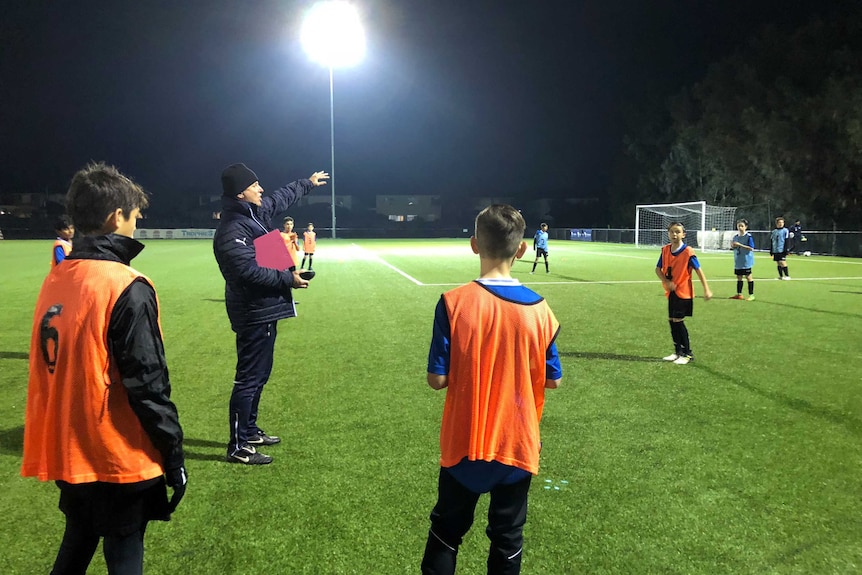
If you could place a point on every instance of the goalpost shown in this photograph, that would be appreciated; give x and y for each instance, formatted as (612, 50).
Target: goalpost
(707, 227)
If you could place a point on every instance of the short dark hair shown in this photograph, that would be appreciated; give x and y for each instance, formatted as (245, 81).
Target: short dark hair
(287, 219)
(742, 221)
(96, 192)
(672, 224)
(62, 223)
(499, 231)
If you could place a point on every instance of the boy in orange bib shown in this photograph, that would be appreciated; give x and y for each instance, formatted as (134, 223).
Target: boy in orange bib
(99, 420)
(493, 351)
(674, 267)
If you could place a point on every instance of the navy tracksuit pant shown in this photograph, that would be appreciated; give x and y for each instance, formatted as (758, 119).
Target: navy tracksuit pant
(255, 346)
(453, 515)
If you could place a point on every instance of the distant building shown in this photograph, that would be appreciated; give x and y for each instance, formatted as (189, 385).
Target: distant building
(408, 208)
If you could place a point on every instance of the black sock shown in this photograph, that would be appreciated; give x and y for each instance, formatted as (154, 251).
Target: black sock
(674, 335)
(546, 266)
(786, 271)
(751, 287)
(683, 337)
(303, 263)
(780, 271)
(534, 266)
(739, 287)
(310, 262)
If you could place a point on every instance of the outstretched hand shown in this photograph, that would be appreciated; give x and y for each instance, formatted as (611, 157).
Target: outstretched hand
(319, 178)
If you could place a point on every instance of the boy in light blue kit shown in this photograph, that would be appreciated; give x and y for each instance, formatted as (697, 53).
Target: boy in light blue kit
(779, 239)
(743, 259)
(540, 246)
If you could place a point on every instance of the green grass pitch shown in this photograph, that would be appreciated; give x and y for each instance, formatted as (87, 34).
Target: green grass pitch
(747, 461)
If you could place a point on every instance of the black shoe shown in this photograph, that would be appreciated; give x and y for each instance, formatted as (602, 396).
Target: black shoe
(248, 455)
(263, 439)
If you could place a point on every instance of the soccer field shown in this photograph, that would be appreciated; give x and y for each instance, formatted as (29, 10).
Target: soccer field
(746, 461)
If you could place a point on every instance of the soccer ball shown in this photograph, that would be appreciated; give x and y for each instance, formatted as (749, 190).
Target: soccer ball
(791, 234)
(806, 253)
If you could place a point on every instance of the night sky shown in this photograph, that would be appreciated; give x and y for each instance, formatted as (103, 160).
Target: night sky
(469, 97)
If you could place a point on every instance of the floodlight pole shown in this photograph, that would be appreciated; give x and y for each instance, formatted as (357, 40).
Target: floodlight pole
(332, 142)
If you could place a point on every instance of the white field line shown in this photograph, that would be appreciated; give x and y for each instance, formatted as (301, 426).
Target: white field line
(655, 281)
(374, 257)
(369, 255)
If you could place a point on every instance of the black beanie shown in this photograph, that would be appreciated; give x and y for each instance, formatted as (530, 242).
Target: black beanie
(236, 178)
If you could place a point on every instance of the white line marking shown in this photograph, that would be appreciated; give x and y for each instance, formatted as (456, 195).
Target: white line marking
(375, 257)
(368, 254)
(621, 282)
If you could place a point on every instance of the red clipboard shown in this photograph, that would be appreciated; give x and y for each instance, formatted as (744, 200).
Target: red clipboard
(270, 252)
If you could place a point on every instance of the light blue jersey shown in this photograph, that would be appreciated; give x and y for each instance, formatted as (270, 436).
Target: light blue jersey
(540, 240)
(779, 240)
(743, 259)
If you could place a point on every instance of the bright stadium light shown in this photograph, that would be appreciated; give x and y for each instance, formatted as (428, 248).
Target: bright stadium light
(332, 35)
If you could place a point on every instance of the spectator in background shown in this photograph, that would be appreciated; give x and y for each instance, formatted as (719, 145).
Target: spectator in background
(796, 238)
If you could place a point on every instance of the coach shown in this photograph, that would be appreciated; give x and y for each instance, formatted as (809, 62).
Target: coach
(255, 297)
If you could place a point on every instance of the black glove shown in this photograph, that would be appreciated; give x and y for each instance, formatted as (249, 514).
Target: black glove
(177, 479)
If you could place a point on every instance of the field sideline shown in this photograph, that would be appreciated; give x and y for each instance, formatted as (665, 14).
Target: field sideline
(747, 461)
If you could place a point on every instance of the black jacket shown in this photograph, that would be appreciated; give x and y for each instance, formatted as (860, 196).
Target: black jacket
(252, 294)
(136, 346)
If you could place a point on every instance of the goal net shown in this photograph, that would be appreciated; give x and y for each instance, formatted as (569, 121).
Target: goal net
(707, 227)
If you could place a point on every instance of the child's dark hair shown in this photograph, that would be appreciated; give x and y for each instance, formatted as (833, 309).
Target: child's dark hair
(499, 231)
(672, 224)
(779, 218)
(287, 219)
(62, 223)
(96, 192)
(742, 221)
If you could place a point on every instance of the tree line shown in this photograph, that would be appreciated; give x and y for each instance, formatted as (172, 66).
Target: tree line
(775, 129)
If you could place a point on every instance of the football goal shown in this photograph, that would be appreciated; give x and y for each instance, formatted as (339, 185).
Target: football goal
(707, 227)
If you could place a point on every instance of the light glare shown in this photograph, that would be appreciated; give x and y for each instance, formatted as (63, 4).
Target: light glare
(332, 34)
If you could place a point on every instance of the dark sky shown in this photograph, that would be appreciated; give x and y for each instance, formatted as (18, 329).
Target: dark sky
(471, 96)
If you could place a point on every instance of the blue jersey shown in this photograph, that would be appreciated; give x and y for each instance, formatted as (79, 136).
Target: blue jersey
(743, 259)
(540, 240)
(779, 240)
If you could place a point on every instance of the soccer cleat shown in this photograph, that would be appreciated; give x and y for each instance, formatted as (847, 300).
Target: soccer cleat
(786, 278)
(683, 359)
(263, 439)
(751, 297)
(248, 455)
(531, 273)
(671, 357)
(737, 296)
